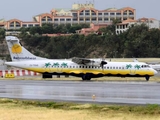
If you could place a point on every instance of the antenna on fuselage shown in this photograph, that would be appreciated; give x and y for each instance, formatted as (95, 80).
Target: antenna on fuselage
(135, 60)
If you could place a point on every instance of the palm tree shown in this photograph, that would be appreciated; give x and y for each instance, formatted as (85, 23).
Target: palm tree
(128, 66)
(47, 65)
(55, 64)
(137, 66)
(64, 64)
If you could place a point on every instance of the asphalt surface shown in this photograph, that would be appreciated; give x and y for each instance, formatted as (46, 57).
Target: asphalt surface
(79, 91)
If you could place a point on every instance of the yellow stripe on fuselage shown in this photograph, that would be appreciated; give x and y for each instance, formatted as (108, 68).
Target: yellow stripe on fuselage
(94, 71)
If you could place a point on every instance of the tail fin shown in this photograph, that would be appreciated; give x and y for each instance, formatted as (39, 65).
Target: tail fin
(18, 52)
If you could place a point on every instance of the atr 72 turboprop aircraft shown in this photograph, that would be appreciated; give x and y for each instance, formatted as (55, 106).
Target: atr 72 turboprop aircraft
(79, 67)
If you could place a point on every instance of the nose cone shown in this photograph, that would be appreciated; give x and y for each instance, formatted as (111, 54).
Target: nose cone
(155, 72)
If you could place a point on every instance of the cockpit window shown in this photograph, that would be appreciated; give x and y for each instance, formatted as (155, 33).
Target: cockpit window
(148, 66)
(145, 66)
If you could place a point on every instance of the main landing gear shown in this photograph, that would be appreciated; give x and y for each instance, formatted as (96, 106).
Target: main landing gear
(86, 77)
(45, 75)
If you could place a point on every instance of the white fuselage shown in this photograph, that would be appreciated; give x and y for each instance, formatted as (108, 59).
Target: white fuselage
(68, 67)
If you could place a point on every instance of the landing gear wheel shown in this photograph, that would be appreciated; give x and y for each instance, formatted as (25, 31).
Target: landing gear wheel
(86, 77)
(83, 77)
(46, 75)
(147, 78)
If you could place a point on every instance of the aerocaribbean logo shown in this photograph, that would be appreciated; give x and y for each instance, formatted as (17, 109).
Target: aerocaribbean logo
(47, 65)
(16, 49)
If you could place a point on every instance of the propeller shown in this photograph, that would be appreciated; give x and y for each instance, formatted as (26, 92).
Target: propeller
(103, 62)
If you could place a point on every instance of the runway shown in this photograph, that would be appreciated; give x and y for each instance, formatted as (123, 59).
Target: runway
(82, 92)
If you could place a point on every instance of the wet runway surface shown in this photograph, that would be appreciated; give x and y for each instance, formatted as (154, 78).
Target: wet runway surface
(80, 91)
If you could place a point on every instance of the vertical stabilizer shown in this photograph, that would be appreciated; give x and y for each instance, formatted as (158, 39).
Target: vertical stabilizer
(18, 52)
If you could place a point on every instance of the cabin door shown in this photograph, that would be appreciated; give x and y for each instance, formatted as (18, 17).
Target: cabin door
(132, 71)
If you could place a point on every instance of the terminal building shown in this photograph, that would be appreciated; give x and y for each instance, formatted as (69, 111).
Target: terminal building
(79, 13)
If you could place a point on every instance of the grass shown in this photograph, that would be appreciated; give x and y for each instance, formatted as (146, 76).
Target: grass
(25, 110)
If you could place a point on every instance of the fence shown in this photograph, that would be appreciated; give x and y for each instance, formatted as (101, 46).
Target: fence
(13, 73)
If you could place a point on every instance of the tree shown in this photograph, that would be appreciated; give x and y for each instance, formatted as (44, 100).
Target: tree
(35, 30)
(2, 33)
(47, 28)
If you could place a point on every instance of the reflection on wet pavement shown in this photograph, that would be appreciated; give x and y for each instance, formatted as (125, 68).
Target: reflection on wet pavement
(104, 92)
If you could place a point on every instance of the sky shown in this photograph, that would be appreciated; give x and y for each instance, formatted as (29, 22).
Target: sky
(25, 9)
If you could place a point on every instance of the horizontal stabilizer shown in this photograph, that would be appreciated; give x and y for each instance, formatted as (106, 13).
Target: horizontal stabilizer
(12, 39)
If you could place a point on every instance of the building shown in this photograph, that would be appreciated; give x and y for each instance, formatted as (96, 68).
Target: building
(150, 22)
(79, 13)
(17, 24)
(94, 28)
(121, 27)
(85, 13)
(126, 24)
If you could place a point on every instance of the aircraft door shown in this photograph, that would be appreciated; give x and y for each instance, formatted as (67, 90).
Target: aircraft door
(131, 69)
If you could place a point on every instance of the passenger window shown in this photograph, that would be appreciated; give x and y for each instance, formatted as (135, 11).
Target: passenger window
(119, 67)
(107, 67)
(116, 67)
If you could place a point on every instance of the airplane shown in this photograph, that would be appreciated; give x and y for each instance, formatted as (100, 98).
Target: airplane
(80, 67)
(155, 66)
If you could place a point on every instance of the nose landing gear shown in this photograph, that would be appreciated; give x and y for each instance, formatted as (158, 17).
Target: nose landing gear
(147, 78)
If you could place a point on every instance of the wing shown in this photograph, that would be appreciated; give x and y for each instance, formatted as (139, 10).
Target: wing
(82, 60)
(92, 62)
